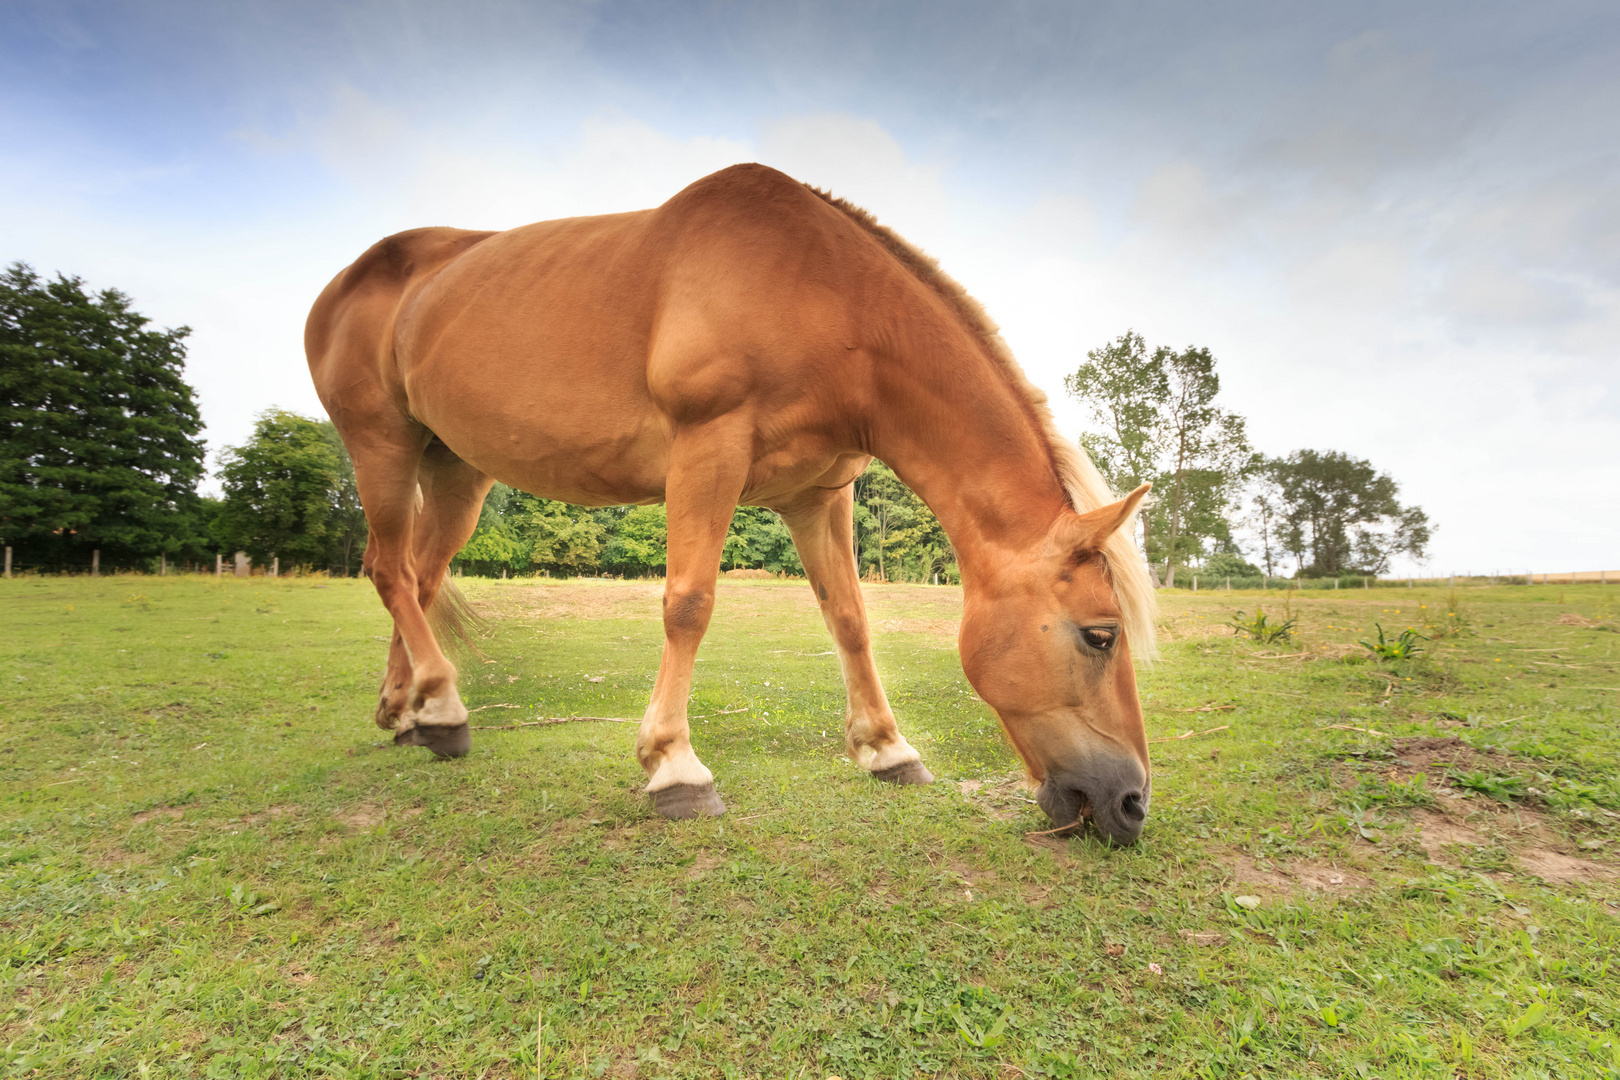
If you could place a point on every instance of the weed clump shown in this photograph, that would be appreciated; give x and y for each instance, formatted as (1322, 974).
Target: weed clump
(1260, 627)
(1404, 647)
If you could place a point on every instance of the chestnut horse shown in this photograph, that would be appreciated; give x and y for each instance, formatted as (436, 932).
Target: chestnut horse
(751, 341)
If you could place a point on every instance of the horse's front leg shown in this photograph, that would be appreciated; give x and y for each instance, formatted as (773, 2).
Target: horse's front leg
(708, 468)
(821, 522)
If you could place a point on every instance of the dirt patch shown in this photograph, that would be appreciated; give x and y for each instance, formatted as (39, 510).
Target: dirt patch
(167, 813)
(1569, 618)
(1433, 754)
(747, 574)
(1436, 832)
(1192, 629)
(1556, 868)
(269, 813)
(702, 865)
(364, 816)
(1205, 938)
(1004, 798)
(1297, 876)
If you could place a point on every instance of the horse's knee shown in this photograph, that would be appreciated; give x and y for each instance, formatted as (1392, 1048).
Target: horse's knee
(686, 611)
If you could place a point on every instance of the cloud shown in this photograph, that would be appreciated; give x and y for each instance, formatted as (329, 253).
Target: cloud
(1376, 109)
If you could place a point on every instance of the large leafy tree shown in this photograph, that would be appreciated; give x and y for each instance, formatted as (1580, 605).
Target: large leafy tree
(1157, 419)
(99, 431)
(1338, 513)
(289, 492)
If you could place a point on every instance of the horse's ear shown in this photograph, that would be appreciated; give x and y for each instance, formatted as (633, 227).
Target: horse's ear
(1080, 534)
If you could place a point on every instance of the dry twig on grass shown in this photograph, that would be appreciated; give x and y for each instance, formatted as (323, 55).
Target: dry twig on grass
(1207, 708)
(546, 721)
(1189, 734)
(1352, 727)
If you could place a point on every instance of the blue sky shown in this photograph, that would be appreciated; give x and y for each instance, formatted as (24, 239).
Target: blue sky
(1396, 225)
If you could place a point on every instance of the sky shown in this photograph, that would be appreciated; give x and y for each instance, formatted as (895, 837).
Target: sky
(1395, 225)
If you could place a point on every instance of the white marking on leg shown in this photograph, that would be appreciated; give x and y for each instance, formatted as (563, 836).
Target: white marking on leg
(443, 710)
(680, 767)
(878, 758)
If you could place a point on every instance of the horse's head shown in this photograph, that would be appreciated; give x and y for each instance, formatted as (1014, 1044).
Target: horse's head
(1044, 644)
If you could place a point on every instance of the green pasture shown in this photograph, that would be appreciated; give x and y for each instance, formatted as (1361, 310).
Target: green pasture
(212, 864)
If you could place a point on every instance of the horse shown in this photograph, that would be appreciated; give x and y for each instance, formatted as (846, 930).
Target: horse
(752, 341)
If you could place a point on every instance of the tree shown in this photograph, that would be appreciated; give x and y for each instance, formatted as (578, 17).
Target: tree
(638, 542)
(1342, 514)
(99, 431)
(759, 538)
(290, 493)
(563, 538)
(1159, 421)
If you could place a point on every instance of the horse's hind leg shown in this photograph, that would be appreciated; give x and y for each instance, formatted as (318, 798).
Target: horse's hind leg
(452, 495)
(387, 472)
(821, 522)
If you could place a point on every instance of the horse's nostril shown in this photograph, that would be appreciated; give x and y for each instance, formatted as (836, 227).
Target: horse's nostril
(1131, 809)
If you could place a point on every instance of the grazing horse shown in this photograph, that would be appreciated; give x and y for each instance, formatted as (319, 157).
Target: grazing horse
(751, 341)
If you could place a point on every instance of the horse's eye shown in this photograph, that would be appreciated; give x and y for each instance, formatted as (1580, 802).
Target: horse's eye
(1100, 638)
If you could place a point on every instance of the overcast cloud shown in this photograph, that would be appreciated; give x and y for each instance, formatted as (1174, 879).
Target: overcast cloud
(1398, 229)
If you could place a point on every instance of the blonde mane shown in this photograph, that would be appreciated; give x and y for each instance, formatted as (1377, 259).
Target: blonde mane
(1075, 470)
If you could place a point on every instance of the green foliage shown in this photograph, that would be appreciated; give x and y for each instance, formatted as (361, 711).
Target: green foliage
(1404, 647)
(99, 431)
(1225, 564)
(897, 537)
(1506, 789)
(1260, 628)
(758, 539)
(1334, 513)
(290, 493)
(1158, 421)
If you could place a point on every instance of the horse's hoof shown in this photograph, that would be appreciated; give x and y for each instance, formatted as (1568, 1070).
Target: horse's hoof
(907, 772)
(445, 742)
(688, 801)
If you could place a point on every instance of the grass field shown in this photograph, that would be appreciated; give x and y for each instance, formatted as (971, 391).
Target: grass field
(213, 864)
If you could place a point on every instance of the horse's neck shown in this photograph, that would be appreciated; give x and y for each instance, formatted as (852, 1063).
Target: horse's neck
(956, 430)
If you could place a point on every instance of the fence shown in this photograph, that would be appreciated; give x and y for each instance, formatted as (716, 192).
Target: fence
(1186, 579)
(237, 565)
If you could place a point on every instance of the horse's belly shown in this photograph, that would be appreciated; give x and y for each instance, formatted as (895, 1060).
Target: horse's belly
(538, 430)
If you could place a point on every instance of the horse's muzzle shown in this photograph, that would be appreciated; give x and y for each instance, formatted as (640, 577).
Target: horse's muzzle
(1112, 792)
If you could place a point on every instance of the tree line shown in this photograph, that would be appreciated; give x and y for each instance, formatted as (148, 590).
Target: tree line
(101, 451)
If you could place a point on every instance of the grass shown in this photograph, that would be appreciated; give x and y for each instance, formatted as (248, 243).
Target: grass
(212, 864)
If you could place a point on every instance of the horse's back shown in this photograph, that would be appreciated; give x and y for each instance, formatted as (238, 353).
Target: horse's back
(562, 356)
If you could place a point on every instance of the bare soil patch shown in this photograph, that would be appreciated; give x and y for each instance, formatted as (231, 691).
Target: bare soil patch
(1432, 754)
(1569, 618)
(363, 816)
(1556, 868)
(1298, 875)
(269, 813)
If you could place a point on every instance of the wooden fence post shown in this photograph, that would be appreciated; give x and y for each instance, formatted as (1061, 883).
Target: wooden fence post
(219, 565)
(275, 566)
(1228, 582)
(8, 560)
(95, 563)
(163, 565)
(1195, 583)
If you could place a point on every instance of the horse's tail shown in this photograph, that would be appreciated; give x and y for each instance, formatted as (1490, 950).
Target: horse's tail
(455, 623)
